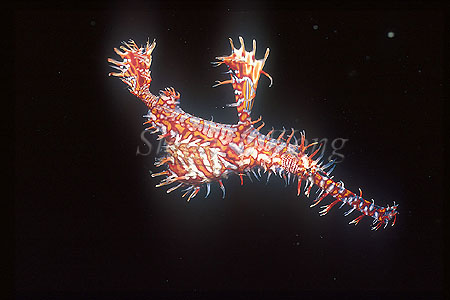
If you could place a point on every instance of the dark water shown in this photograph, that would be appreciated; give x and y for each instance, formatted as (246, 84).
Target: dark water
(89, 221)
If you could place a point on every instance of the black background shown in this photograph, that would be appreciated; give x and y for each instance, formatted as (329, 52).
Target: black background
(89, 221)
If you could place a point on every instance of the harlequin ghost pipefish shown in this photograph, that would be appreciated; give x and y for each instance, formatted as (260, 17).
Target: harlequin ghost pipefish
(199, 152)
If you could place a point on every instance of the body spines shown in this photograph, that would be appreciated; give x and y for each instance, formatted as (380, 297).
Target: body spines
(281, 157)
(312, 171)
(169, 98)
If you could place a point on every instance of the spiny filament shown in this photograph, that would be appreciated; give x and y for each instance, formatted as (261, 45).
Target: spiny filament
(200, 152)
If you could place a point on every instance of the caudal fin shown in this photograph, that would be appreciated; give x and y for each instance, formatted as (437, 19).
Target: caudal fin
(380, 215)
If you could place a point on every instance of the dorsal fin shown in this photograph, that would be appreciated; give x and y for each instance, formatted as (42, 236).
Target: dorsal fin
(245, 71)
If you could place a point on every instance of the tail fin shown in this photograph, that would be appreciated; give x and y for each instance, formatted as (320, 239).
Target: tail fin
(135, 68)
(312, 171)
(244, 72)
(381, 215)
